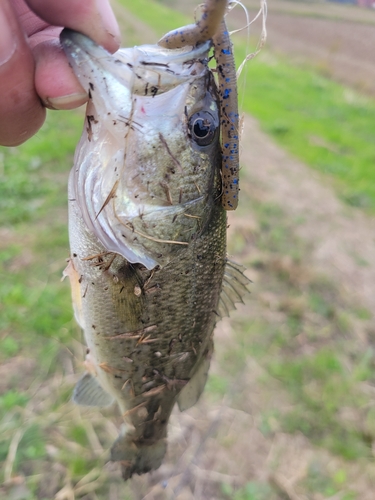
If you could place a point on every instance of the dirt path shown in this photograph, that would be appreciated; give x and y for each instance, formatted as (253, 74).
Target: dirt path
(341, 239)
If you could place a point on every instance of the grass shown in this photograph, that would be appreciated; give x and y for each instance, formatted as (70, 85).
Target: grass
(252, 491)
(158, 16)
(35, 221)
(324, 124)
(28, 190)
(300, 329)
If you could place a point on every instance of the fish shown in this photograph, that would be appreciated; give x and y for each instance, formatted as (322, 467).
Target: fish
(148, 266)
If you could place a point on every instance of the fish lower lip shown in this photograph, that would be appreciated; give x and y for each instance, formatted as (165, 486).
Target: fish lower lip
(83, 53)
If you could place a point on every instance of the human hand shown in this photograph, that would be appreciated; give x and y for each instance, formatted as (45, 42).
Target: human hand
(34, 72)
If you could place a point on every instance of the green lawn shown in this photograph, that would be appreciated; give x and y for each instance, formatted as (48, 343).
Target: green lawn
(328, 126)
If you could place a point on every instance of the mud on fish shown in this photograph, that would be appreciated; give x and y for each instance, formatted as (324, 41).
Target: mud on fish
(148, 267)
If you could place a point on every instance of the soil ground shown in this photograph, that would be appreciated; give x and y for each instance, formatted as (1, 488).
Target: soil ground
(338, 46)
(337, 39)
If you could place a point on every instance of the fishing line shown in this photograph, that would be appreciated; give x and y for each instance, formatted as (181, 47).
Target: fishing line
(250, 55)
(263, 35)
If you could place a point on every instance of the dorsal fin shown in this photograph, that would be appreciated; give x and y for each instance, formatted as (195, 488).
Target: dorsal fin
(234, 288)
(88, 392)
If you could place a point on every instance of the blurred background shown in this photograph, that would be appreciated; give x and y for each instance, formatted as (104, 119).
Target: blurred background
(289, 409)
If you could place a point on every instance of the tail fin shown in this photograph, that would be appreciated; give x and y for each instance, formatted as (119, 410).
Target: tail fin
(137, 457)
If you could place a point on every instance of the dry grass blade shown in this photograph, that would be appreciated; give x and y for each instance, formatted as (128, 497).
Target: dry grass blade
(91, 482)
(285, 488)
(92, 436)
(12, 453)
(66, 493)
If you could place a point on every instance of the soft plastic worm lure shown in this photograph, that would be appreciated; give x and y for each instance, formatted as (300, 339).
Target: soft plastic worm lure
(212, 26)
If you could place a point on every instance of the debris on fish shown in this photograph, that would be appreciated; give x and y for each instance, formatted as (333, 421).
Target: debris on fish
(148, 267)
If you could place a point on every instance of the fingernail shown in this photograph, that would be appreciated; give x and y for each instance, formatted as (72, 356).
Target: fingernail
(7, 39)
(66, 102)
(108, 19)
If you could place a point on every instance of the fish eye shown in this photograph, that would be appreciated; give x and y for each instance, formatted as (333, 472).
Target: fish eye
(202, 126)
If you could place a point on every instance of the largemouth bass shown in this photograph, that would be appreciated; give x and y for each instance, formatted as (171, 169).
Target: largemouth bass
(148, 267)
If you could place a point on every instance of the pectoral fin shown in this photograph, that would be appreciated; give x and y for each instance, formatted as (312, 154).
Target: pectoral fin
(88, 392)
(75, 284)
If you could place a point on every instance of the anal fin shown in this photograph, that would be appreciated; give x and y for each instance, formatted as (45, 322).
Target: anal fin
(88, 392)
(194, 388)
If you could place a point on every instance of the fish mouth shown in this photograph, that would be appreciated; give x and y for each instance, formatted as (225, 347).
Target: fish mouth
(143, 69)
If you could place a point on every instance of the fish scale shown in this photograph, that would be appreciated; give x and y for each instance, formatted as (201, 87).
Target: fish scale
(181, 305)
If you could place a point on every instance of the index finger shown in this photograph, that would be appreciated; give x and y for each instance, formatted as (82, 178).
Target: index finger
(93, 18)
